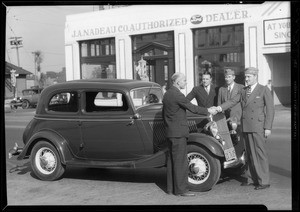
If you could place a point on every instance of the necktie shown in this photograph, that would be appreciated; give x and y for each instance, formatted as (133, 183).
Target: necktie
(207, 91)
(248, 91)
(228, 92)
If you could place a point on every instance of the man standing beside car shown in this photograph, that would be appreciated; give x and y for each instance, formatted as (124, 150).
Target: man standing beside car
(205, 94)
(228, 91)
(257, 119)
(175, 105)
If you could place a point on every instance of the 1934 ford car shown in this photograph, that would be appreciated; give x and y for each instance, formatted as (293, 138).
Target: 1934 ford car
(118, 123)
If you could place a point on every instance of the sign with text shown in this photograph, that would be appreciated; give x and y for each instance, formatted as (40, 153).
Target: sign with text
(277, 31)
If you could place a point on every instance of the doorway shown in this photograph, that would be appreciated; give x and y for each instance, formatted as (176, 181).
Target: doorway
(153, 57)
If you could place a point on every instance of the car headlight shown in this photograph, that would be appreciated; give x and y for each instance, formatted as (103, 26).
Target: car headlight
(233, 124)
(214, 130)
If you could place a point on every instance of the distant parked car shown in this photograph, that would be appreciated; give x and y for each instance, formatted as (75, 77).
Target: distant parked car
(30, 97)
(119, 124)
(16, 102)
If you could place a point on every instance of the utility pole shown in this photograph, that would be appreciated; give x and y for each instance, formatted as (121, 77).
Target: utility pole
(17, 42)
(34, 60)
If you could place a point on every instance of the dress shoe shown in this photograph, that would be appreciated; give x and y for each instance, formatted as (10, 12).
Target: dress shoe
(186, 194)
(259, 187)
(247, 184)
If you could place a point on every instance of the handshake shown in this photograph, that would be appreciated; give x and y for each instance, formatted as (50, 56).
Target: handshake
(214, 110)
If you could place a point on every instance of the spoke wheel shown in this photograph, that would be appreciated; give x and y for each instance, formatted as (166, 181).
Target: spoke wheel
(204, 169)
(45, 161)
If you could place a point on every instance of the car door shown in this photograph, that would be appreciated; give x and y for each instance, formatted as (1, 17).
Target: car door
(63, 118)
(109, 130)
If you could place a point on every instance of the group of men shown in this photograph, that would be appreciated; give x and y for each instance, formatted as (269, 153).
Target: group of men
(251, 106)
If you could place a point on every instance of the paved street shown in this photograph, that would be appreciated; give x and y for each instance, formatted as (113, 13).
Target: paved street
(81, 186)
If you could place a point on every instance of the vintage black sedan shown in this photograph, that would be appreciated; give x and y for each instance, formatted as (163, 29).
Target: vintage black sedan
(117, 123)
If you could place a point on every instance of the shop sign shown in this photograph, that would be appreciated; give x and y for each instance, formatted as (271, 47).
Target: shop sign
(126, 28)
(277, 31)
(175, 22)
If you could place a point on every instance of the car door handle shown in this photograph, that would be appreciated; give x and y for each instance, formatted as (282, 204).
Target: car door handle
(131, 123)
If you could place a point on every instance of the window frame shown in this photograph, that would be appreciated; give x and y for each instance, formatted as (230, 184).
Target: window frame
(104, 113)
(98, 59)
(52, 94)
(207, 51)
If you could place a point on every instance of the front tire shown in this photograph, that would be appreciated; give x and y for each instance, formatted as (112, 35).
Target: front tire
(204, 169)
(45, 162)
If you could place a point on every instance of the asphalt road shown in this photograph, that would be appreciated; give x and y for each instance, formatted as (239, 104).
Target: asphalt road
(111, 187)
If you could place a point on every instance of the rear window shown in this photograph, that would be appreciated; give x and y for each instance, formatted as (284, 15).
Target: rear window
(103, 101)
(64, 102)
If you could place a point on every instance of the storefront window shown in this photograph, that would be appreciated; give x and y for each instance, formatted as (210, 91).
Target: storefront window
(218, 48)
(153, 57)
(98, 59)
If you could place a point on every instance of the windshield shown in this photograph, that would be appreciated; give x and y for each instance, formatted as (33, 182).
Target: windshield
(146, 96)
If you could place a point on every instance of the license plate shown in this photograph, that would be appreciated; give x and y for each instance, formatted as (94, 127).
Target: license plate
(230, 154)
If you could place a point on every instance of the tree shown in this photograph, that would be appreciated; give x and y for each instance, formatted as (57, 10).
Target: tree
(38, 59)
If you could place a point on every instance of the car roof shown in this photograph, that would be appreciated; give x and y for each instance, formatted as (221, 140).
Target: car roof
(116, 84)
(120, 84)
(32, 89)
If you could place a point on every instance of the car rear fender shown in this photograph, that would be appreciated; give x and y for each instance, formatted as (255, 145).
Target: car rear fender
(207, 141)
(52, 137)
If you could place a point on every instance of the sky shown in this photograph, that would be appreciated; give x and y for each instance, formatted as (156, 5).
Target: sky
(40, 28)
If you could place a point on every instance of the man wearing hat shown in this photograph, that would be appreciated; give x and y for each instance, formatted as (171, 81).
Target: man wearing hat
(257, 119)
(228, 91)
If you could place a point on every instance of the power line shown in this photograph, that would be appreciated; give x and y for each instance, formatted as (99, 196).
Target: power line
(44, 23)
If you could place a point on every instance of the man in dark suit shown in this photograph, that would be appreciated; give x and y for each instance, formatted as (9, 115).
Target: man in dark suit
(175, 105)
(205, 93)
(257, 119)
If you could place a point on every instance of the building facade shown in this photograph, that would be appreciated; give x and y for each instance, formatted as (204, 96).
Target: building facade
(133, 43)
(14, 86)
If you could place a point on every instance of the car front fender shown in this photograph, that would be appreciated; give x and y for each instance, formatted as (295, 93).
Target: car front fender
(52, 137)
(207, 141)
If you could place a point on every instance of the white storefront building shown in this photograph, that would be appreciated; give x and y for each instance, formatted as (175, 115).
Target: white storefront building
(151, 42)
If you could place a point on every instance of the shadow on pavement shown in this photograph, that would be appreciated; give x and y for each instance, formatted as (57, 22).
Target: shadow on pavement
(150, 175)
(21, 169)
(280, 171)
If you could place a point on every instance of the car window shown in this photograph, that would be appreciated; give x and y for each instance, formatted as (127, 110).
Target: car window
(25, 93)
(146, 96)
(103, 101)
(64, 102)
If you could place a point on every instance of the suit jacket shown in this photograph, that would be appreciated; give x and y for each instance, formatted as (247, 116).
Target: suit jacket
(257, 111)
(203, 99)
(235, 111)
(175, 105)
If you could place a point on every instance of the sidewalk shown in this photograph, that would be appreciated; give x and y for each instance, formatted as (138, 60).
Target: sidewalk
(282, 118)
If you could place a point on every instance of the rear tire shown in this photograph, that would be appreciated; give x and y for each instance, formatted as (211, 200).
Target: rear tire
(204, 169)
(45, 162)
(25, 104)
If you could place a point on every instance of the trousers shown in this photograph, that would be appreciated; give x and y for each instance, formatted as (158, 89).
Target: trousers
(177, 166)
(257, 169)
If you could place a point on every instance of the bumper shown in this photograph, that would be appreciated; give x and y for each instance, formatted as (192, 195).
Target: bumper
(236, 162)
(16, 150)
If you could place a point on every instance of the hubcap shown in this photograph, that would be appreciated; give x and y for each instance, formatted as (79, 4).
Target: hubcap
(45, 160)
(199, 169)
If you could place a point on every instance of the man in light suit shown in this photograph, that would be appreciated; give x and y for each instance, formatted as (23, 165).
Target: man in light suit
(257, 119)
(228, 91)
(175, 105)
(205, 93)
